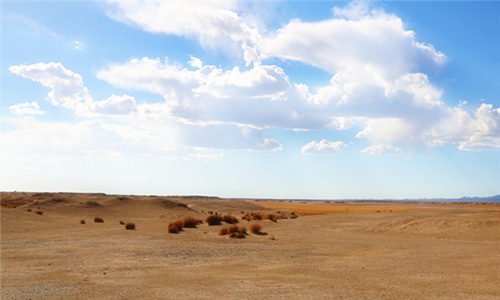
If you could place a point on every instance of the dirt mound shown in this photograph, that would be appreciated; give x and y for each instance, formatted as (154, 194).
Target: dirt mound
(439, 224)
(91, 203)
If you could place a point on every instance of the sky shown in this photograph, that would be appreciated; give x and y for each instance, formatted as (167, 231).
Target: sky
(251, 99)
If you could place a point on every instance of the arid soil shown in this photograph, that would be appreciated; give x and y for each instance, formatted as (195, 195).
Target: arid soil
(403, 251)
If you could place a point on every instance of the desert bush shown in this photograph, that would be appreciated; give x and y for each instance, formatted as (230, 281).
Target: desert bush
(223, 231)
(39, 212)
(130, 226)
(122, 223)
(28, 210)
(179, 225)
(255, 229)
(237, 235)
(190, 222)
(98, 220)
(230, 219)
(82, 221)
(233, 229)
(256, 217)
(272, 217)
(172, 228)
(246, 217)
(214, 220)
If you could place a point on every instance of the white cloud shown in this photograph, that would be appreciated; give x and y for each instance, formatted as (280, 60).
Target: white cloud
(360, 37)
(382, 149)
(27, 108)
(114, 105)
(78, 44)
(323, 147)
(67, 87)
(215, 24)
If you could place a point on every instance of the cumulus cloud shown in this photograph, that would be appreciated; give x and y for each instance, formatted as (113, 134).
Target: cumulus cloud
(359, 36)
(378, 81)
(382, 149)
(323, 147)
(114, 105)
(215, 24)
(67, 87)
(27, 108)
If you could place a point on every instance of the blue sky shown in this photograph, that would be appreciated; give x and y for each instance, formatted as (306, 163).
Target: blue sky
(283, 99)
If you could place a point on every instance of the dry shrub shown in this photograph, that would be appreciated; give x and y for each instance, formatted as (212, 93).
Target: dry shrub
(214, 220)
(233, 229)
(172, 228)
(246, 217)
(272, 217)
(179, 225)
(98, 220)
(82, 221)
(272, 237)
(190, 222)
(28, 210)
(130, 226)
(237, 235)
(230, 219)
(175, 227)
(39, 212)
(122, 223)
(293, 216)
(256, 217)
(223, 231)
(255, 229)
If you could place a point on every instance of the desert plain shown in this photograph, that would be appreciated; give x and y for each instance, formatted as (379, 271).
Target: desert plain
(331, 250)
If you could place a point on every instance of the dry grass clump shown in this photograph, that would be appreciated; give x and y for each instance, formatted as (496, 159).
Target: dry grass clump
(190, 222)
(214, 220)
(272, 217)
(130, 226)
(175, 227)
(28, 210)
(82, 221)
(237, 235)
(230, 219)
(122, 223)
(256, 216)
(39, 212)
(98, 220)
(233, 229)
(256, 229)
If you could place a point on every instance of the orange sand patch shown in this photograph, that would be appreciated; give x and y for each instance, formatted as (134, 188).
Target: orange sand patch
(324, 208)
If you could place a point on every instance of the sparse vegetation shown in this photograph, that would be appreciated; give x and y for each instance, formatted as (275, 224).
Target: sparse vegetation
(122, 223)
(82, 221)
(172, 228)
(213, 220)
(230, 219)
(98, 220)
(130, 226)
(28, 210)
(256, 229)
(233, 229)
(237, 235)
(223, 231)
(176, 227)
(39, 212)
(190, 222)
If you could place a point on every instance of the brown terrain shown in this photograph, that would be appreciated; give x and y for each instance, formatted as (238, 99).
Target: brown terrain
(51, 248)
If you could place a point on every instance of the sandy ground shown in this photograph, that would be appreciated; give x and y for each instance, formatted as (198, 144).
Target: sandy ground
(411, 253)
